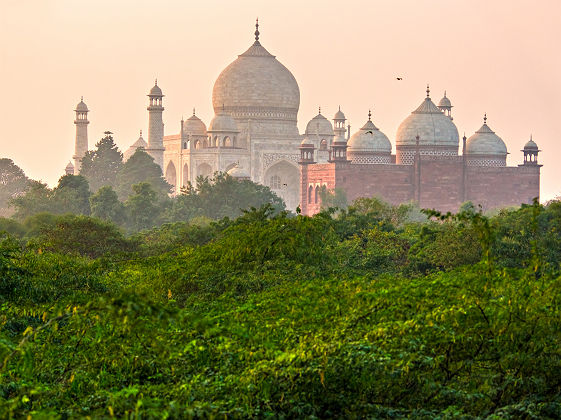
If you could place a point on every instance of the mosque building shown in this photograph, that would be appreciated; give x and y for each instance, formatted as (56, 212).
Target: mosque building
(254, 135)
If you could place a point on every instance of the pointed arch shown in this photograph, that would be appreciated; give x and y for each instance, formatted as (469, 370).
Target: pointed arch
(171, 174)
(204, 169)
(185, 174)
(283, 177)
(316, 194)
(310, 193)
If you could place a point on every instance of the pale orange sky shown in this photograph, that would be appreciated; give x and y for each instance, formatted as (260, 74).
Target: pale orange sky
(499, 57)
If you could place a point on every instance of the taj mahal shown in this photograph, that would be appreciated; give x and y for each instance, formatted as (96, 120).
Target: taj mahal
(254, 135)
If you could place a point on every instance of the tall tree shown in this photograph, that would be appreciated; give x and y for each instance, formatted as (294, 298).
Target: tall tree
(37, 199)
(13, 182)
(140, 167)
(72, 195)
(102, 165)
(106, 205)
(142, 209)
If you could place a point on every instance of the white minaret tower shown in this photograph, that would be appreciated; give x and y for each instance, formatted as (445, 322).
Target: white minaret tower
(156, 125)
(81, 146)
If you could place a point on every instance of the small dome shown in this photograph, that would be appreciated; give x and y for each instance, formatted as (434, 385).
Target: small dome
(369, 139)
(307, 142)
(339, 115)
(319, 125)
(70, 166)
(194, 125)
(531, 145)
(139, 143)
(156, 91)
(82, 107)
(445, 102)
(238, 172)
(431, 124)
(223, 122)
(339, 140)
(485, 142)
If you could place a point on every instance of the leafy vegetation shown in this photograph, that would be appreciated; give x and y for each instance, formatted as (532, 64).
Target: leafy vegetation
(367, 312)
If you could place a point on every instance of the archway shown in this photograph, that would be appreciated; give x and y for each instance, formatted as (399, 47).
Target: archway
(284, 179)
(171, 175)
(227, 142)
(185, 174)
(204, 169)
(230, 166)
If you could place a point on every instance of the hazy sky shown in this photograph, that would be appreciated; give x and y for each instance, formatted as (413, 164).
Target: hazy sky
(499, 57)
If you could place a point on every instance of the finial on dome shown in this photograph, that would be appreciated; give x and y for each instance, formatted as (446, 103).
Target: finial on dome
(530, 137)
(319, 109)
(156, 82)
(369, 115)
(445, 94)
(193, 111)
(222, 107)
(339, 107)
(82, 98)
(485, 119)
(428, 91)
(257, 30)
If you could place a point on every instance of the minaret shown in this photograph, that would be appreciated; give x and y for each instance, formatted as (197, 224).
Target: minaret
(156, 125)
(81, 144)
(339, 124)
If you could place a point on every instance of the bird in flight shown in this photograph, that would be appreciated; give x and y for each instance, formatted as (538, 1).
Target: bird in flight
(399, 78)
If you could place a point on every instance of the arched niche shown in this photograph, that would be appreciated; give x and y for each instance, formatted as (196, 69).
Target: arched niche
(185, 174)
(171, 175)
(204, 169)
(283, 178)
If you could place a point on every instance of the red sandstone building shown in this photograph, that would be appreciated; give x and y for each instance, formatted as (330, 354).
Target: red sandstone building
(426, 168)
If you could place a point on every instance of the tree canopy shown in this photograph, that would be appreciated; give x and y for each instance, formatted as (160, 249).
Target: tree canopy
(13, 183)
(102, 165)
(366, 312)
(140, 167)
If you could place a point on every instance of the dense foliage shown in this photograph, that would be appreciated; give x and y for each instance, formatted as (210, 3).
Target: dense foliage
(367, 312)
(13, 182)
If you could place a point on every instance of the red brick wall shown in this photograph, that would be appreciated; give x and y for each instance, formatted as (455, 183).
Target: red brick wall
(392, 183)
(440, 183)
(502, 186)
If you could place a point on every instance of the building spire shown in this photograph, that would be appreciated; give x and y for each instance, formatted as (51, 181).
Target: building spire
(428, 91)
(141, 132)
(193, 111)
(319, 109)
(156, 81)
(257, 30)
(485, 119)
(369, 115)
(81, 98)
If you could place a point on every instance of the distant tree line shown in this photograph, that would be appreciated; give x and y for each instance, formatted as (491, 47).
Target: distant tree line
(131, 194)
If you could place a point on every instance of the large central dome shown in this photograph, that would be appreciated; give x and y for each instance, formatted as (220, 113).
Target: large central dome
(257, 86)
